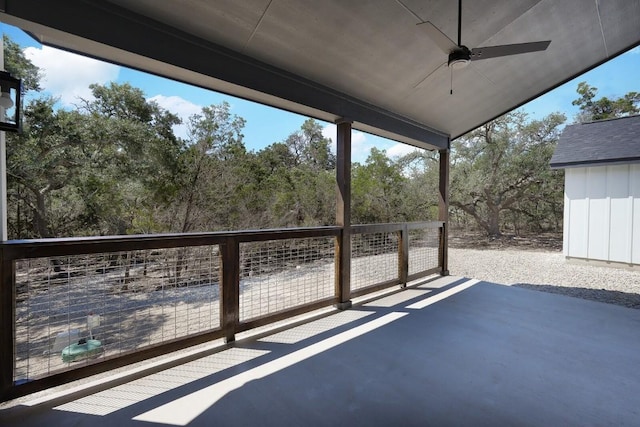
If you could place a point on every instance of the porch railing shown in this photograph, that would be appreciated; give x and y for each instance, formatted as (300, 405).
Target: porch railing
(77, 306)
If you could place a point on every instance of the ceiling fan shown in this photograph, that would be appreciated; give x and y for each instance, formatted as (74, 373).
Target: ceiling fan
(460, 55)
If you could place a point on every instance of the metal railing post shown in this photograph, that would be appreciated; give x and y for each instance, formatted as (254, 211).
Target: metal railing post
(230, 310)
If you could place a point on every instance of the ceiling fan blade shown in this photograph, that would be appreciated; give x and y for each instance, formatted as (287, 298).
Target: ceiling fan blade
(507, 49)
(438, 37)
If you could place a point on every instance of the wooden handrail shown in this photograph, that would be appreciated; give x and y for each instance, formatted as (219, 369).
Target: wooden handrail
(39, 248)
(230, 323)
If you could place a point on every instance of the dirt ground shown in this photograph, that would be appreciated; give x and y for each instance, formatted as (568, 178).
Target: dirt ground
(461, 239)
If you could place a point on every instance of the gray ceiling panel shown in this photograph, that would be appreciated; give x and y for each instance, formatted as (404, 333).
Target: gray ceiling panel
(619, 23)
(359, 59)
(230, 22)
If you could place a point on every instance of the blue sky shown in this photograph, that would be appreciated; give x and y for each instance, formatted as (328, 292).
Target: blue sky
(68, 76)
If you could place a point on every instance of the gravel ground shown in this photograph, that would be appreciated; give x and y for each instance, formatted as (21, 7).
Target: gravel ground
(548, 271)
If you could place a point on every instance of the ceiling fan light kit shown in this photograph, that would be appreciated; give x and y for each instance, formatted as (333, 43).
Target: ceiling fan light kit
(459, 58)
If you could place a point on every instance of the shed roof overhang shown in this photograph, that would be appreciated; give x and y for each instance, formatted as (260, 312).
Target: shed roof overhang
(334, 60)
(588, 164)
(608, 142)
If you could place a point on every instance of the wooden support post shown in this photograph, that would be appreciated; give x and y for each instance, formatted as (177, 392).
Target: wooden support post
(443, 212)
(403, 256)
(7, 327)
(343, 215)
(230, 310)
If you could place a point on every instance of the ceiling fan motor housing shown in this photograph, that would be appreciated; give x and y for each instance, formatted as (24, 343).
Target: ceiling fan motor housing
(459, 57)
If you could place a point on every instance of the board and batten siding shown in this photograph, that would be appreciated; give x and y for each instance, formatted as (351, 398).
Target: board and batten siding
(602, 213)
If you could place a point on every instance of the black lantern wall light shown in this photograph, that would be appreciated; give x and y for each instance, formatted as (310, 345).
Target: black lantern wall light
(10, 97)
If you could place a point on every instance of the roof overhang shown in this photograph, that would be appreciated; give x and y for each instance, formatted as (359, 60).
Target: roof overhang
(336, 60)
(614, 141)
(630, 161)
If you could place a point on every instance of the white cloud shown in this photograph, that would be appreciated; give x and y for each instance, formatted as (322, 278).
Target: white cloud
(329, 131)
(67, 75)
(179, 106)
(359, 142)
(399, 150)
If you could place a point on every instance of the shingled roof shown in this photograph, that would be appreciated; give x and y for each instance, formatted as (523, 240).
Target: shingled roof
(612, 141)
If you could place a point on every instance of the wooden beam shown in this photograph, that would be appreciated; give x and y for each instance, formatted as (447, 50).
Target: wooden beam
(7, 321)
(443, 211)
(343, 214)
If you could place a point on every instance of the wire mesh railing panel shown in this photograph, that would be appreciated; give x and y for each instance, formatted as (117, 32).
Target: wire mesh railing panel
(73, 310)
(424, 246)
(374, 258)
(277, 275)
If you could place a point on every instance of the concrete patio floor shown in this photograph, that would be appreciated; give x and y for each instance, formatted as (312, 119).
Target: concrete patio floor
(448, 352)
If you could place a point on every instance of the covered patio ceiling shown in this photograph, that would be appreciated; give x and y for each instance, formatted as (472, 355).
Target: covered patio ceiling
(364, 61)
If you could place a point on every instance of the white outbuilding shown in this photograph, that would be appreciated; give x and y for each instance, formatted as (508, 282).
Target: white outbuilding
(602, 190)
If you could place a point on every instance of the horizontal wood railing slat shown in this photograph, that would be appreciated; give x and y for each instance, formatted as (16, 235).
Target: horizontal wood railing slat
(21, 249)
(230, 324)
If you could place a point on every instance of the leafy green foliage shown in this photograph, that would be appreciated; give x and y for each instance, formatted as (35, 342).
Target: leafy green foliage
(604, 108)
(41, 162)
(207, 170)
(90, 170)
(112, 165)
(503, 166)
(307, 146)
(377, 190)
(19, 66)
(295, 180)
